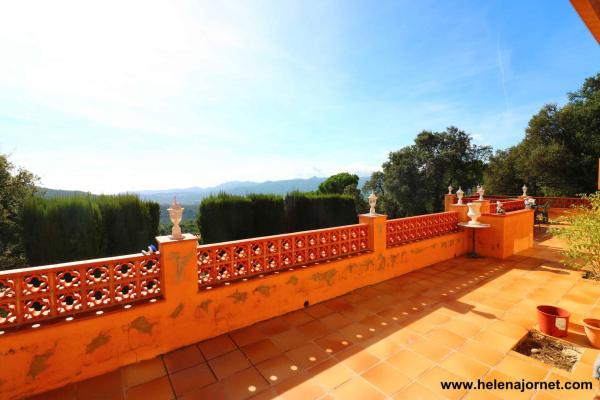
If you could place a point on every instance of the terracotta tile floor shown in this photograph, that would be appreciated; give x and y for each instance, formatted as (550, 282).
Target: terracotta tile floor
(456, 320)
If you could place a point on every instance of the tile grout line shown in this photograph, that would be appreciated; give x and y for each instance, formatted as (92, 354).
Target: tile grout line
(162, 360)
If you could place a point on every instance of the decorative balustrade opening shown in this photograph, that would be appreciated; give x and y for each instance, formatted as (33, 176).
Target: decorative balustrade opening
(31, 295)
(410, 229)
(225, 262)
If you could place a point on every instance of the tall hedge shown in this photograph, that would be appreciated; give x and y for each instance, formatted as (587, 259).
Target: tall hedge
(268, 214)
(129, 223)
(80, 227)
(62, 229)
(225, 217)
(306, 211)
(298, 212)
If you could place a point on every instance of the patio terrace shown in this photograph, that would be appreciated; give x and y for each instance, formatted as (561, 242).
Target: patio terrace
(455, 320)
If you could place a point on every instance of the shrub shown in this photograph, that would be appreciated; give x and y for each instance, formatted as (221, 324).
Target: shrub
(583, 236)
(268, 214)
(306, 211)
(224, 217)
(62, 229)
(129, 223)
(81, 227)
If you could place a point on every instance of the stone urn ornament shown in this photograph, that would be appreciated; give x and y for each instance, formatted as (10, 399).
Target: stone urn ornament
(499, 208)
(480, 192)
(372, 202)
(450, 189)
(524, 189)
(474, 213)
(175, 215)
(459, 195)
(529, 202)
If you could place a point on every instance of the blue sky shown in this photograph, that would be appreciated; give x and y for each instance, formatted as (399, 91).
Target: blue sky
(113, 96)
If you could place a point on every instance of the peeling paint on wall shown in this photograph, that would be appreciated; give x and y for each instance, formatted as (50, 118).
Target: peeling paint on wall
(324, 276)
(381, 261)
(265, 290)
(142, 325)
(293, 280)
(99, 341)
(351, 267)
(393, 259)
(180, 263)
(176, 311)
(10, 352)
(204, 305)
(238, 297)
(38, 363)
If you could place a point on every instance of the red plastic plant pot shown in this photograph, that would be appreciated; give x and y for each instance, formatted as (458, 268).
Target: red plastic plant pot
(554, 321)
(592, 331)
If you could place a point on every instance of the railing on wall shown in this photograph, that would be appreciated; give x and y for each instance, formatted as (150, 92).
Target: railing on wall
(561, 202)
(555, 202)
(404, 230)
(224, 262)
(31, 295)
(508, 206)
(494, 198)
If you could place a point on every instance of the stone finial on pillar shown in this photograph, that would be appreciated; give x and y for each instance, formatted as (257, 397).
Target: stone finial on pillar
(450, 189)
(372, 203)
(480, 192)
(175, 215)
(460, 194)
(524, 188)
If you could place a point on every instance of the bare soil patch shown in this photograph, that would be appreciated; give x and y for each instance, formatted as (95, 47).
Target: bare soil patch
(549, 350)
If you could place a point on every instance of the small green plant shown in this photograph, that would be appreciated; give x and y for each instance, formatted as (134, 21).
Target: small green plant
(582, 236)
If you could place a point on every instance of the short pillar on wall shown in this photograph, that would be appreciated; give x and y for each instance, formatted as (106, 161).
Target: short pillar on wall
(462, 210)
(448, 201)
(377, 230)
(485, 206)
(179, 263)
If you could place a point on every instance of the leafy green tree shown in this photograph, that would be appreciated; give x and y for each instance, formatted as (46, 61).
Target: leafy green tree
(16, 186)
(346, 184)
(416, 177)
(375, 184)
(502, 175)
(559, 154)
(336, 184)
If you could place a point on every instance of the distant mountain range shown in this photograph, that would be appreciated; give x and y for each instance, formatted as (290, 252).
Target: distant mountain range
(194, 195)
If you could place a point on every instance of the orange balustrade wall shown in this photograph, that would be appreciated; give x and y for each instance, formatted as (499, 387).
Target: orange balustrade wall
(35, 360)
